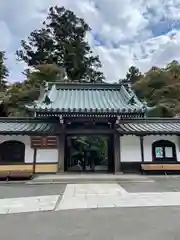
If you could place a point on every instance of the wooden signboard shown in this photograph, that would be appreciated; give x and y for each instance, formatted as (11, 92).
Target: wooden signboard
(44, 142)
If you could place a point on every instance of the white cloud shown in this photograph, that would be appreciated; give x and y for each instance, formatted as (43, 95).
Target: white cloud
(123, 26)
(164, 49)
(6, 38)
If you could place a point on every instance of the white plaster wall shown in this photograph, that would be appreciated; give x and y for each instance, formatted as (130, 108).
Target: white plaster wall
(26, 140)
(47, 156)
(130, 148)
(148, 140)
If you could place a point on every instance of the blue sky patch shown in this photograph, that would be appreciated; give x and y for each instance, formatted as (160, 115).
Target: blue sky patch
(164, 26)
(98, 40)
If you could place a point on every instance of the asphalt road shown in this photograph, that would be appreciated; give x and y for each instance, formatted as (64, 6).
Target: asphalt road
(22, 190)
(143, 223)
(106, 224)
(158, 184)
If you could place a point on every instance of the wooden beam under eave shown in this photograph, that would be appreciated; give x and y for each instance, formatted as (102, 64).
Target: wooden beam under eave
(89, 131)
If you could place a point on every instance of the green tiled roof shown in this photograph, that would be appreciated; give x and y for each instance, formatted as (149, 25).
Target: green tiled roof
(37, 126)
(88, 98)
(29, 126)
(151, 126)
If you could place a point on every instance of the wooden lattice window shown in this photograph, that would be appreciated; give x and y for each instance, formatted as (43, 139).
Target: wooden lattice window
(164, 150)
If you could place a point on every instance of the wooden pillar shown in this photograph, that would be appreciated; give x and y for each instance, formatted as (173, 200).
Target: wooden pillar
(34, 160)
(61, 146)
(142, 148)
(110, 153)
(117, 164)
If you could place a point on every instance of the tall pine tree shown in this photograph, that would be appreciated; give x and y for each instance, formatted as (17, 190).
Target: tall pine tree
(61, 41)
(3, 72)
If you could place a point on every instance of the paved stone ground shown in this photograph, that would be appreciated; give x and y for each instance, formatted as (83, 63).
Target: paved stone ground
(79, 196)
(100, 224)
(91, 196)
(28, 204)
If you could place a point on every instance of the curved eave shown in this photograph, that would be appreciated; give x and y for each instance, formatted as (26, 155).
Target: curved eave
(30, 133)
(30, 107)
(128, 95)
(150, 127)
(96, 111)
(143, 133)
(28, 126)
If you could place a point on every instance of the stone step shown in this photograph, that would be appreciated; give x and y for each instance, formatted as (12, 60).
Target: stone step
(89, 178)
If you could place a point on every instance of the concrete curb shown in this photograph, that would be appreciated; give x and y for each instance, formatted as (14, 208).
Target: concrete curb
(12, 182)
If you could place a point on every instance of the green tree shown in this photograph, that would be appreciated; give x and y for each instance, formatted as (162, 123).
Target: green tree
(22, 93)
(133, 75)
(4, 73)
(61, 41)
(160, 87)
(45, 73)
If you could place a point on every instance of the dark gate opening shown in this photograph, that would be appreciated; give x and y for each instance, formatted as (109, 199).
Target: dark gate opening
(89, 153)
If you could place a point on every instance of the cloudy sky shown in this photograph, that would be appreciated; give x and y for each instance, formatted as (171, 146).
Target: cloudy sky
(144, 33)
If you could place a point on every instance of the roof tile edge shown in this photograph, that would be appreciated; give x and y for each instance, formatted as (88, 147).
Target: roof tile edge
(68, 85)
